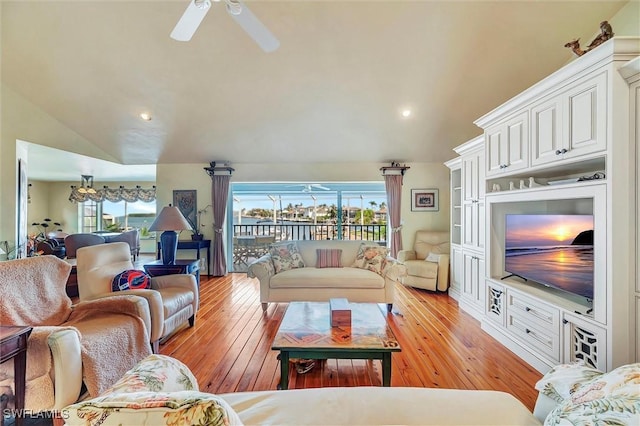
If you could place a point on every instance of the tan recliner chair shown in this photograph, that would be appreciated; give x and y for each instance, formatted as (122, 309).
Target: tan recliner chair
(173, 299)
(421, 273)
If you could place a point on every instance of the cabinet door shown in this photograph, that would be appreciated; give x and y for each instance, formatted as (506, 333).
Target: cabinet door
(584, 341)
(457, 270)
(546, 131)
(507, 145)
(494, 158)
(473, 283)
(471, 177)
(473, 225)
(586, 113)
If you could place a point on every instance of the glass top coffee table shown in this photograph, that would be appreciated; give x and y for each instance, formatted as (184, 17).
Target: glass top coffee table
(306, 332)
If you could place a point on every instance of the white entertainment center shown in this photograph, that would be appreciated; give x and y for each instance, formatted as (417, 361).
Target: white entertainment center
(567, 145)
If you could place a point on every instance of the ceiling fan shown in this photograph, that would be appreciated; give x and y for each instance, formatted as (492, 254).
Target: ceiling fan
(309, 187)
(197, 9)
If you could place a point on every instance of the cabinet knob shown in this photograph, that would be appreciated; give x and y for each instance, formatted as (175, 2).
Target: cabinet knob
(564, 150)
(527, 309)
(558, 152)
(527, 330)
(564, 321)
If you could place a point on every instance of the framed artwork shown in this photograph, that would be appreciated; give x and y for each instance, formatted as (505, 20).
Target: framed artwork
(424, 200)
(186, 201)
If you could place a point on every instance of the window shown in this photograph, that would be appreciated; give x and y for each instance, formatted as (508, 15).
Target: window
(302, 211)
(89, 213)
(124, 216)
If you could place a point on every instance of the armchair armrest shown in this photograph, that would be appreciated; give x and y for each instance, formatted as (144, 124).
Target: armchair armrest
(404, 255)
(67, 366)
(125, 304)
(443, 272)
(186, 281)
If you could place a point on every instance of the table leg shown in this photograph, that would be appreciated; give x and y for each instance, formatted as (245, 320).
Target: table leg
(284, 370)
(20, 367)
(386, 369)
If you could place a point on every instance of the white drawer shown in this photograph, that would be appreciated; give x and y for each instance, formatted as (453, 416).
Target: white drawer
(540, 340)
(533, 312)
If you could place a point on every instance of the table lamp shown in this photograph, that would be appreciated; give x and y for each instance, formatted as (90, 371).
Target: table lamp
(170, 220)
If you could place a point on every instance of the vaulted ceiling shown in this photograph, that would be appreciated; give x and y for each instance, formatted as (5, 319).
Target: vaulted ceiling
(332, 92)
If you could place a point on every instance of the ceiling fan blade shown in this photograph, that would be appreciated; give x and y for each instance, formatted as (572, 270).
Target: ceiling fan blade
(256, 29)
(190, 20)
(317, 185)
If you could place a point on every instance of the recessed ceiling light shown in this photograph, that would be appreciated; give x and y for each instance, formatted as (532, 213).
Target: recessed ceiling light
(406, 113)
(145, 116)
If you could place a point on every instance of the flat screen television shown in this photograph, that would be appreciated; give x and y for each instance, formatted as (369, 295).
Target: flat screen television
(551, 249)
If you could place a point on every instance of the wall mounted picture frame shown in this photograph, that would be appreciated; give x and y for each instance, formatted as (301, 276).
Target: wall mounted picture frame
(186, 200)
(424, 200)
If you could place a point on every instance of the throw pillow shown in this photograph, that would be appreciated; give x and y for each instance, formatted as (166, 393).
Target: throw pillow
(610, 398)
(286, 256)
(564, 379)
(372, 258)
(329, 258)
(131, 279)
(153, 408)
(432, 257)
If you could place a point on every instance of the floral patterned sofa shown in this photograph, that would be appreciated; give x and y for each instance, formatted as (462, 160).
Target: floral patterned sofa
(318, 270)
(162, 390)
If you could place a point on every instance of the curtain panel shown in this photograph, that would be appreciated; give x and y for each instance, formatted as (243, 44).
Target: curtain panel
(393, 185)
(219, 196)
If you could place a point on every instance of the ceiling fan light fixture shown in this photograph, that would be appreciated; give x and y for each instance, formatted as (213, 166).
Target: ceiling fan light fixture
(233, 7)
(202, 4)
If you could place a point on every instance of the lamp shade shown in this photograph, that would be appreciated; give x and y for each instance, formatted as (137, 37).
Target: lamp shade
(169, 220)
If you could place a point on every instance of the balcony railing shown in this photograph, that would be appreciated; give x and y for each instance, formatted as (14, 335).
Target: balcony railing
(306, 231)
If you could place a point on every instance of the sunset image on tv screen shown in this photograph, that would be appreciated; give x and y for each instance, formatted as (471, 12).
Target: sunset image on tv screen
(554, 250)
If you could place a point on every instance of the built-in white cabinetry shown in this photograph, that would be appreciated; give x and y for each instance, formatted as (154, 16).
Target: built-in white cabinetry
(455, 258)
(572, 123)
(567, 145)
(631, 72)
(467, 255)
(507, 147)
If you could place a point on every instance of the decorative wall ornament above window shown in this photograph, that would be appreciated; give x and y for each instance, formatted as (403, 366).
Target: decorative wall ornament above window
(86, 192)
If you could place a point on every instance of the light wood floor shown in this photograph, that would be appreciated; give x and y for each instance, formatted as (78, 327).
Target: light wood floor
(229, 349)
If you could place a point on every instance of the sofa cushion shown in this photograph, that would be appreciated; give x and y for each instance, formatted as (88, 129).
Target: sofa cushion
(609, 398)
(285, 256)
(329, 258)
(131, 279)
(421, 268)
(327, 278)
(152, 408)
(372, 258)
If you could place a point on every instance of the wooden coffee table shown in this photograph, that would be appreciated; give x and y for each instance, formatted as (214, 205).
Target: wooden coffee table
(306, 332)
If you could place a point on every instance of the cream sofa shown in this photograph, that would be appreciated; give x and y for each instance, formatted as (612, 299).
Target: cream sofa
(162, 390)
(313, 284)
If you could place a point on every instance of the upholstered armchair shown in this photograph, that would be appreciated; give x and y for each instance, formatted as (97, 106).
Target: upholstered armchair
(71, 347)
(428, 263)
(173, 299)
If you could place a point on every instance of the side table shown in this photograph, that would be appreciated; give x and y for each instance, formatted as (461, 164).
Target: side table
(13, 345)
(180, 266)
(196, 245)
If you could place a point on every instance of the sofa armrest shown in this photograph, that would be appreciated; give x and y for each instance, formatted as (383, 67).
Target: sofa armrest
(186, 281)
(67, 366)
(404, 255)
(155, 305)
(443, 272)
(394, 269)
(262, 268)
